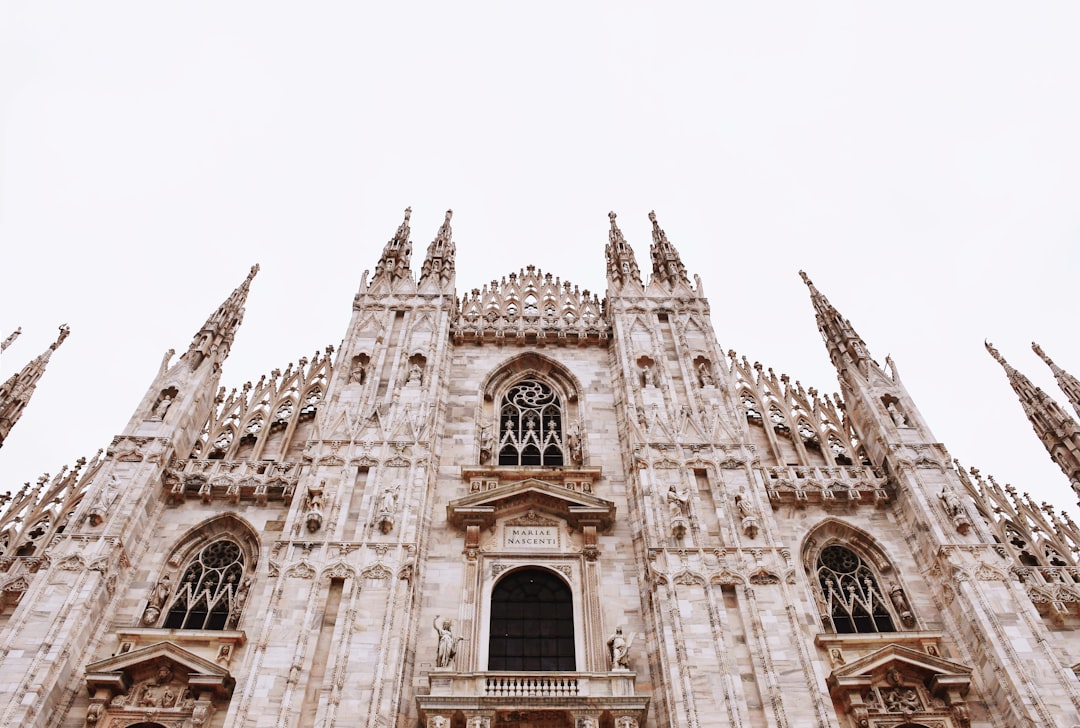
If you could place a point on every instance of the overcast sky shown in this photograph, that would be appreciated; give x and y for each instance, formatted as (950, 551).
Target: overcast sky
(921, 161)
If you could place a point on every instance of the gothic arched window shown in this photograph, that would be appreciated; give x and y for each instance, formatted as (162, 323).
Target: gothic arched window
(210, 588)
(532, 623)
(854, 601)
(531, 425)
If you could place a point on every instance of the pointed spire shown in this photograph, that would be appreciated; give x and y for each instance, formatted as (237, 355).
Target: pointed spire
(621, 263)
(11, 337)
(667, 266)
(397, 254)
(15, 393)
(439, 263)
(846, 348)
(215, 338)
(1058, 432)
(1069, 384)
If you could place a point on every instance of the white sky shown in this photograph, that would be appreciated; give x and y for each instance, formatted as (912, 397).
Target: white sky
(921, 162)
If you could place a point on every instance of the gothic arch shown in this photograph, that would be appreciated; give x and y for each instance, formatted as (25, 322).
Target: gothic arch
(531, 622)
(207, 578)
(846, 569)
(555, 405)
(532, 364)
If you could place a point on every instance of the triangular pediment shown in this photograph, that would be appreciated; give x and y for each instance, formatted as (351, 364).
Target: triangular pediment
(126, 668)
(531, 494)
(935, 672)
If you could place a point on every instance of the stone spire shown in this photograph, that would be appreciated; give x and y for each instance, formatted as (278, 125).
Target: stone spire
(397, 255)
(846, 347)
(15, 393)
(215, 338)
(667, 266)
(622, 267)
(439, 263)
(1058, 432)
(1069, 384)
(11, 337)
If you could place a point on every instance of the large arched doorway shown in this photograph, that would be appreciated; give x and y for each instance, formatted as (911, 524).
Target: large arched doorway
(532, 623)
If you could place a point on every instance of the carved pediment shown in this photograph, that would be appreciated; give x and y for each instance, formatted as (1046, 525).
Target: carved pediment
(119, 672)
(900, 682)
(568, 505)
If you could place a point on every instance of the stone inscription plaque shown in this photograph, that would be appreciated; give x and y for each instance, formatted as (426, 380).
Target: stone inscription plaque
(531, 537)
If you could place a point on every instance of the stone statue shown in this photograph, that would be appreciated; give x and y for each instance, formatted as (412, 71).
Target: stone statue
(487, 442)
(416, 374)
(896, 595)
(705, 375)
(897, 416)
(158, 595)
(573, 446)
(162, 407)
(678, 501)
(619, 650)
(387, 507)
(358, 373)
(99, 509)
(647, 376)
(747, 516)
(447, 648)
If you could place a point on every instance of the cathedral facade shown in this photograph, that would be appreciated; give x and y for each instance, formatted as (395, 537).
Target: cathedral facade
(527, 506)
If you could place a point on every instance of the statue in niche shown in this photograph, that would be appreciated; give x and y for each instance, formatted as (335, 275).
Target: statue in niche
(447, 647)
(897, 416)
(746, 515)
(705, 375)
(896, 595)
(619, 650)
(573, 445)
(158, 595)
(648, 377)
(314, 515)
(99, 509)
(416, 374)
(162, 407)
(678, 505)
(358, 372)
(487, 442)
(387, 507)
(954, 508)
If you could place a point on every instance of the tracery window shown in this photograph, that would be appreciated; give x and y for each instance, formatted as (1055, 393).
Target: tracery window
(531, 425)
(854, 601)
(211, 588)
(532, 623)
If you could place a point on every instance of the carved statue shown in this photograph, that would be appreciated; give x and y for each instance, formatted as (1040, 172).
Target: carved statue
(747, 514)
(487, 441)
(896, 594)
(902, 700)
(314, 515)
(619, 650)
(162, 407)
(573, 446)
(447, 648)
(678, 501)
(358, 373)
(387, 507)
(897, 416)
(93, 713)
(156, 602)
(416, 374)
(647, 376)
(955, 510)
(705, 375)
(99, 509)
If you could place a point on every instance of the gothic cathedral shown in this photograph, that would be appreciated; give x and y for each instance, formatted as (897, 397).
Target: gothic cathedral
(527, 506)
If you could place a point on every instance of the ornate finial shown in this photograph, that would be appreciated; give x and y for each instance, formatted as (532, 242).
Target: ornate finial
(11, 337)
(995, 353)
(1042, 355)
(65, 330)
(667, 265)
(805, 278)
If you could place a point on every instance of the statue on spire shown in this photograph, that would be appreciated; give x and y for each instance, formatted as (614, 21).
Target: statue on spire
(15, 393)
(667, 265)
(1069, 384)
(397, 254)
(621, 264)
(439, 263)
